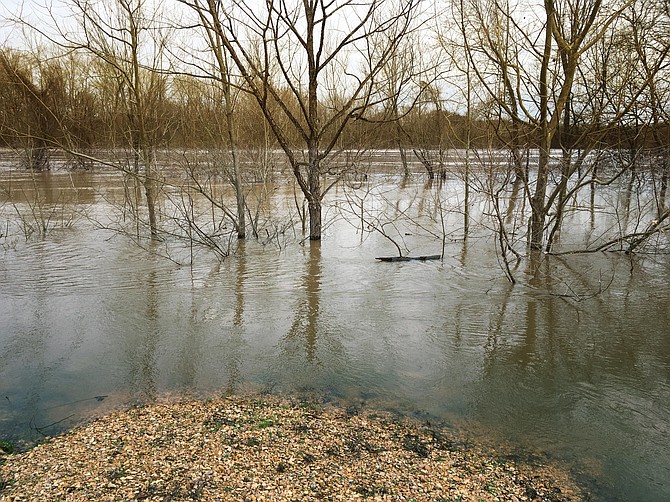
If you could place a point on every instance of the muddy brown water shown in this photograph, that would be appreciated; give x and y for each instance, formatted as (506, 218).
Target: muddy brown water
(572, 362)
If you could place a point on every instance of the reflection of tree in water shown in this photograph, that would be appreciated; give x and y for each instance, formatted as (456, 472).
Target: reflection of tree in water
(306, 322)
(191, 357)
(535, 328)
(459, 317)
(40, 351)
(579, 324)
(238, 312)
(233, 354)
(569, 360)
(141, 346)
(311, 355)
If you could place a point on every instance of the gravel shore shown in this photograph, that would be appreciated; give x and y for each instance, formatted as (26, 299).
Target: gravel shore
(270, 448)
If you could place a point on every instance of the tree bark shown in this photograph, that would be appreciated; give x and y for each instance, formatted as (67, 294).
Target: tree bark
(314, 207)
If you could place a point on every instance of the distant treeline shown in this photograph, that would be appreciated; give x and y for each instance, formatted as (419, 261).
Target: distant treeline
(72, 101)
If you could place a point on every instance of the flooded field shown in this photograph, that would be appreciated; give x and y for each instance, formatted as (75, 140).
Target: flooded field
(570, 362)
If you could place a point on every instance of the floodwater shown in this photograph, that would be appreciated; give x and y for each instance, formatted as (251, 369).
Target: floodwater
(571, 363)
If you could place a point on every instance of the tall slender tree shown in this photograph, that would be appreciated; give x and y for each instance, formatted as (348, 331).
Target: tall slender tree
(211, 17)
(123, 38)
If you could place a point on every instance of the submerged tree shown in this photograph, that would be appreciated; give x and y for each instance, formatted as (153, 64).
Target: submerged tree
(528, 66)
(126, 46)
(210, 17)
(28, 98)
(295, 57)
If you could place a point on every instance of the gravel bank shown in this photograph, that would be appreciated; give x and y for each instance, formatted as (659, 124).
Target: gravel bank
(270, 448)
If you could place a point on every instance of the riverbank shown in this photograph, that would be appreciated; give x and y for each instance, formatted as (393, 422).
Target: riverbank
(271, 448)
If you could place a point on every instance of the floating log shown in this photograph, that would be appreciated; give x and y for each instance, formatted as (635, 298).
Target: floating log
(410, 258)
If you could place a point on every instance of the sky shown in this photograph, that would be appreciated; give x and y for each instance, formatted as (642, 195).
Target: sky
(31, 11)
(10, 10)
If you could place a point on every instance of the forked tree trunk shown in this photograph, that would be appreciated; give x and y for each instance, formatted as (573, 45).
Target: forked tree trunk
(538, 212)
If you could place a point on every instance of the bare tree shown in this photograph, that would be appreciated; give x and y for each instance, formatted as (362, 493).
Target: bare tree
(529, 68)
(398, 82)
(645, 36)
(122, 36)
(291, 55)
(211, 17)
(28, 99)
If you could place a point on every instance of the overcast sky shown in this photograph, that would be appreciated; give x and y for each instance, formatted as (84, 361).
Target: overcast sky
(10, 10)
(30, 10)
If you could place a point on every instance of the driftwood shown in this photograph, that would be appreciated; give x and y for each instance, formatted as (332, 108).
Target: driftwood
(409, 258)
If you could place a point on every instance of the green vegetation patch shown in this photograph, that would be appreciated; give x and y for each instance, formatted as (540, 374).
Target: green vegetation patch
(6, 447)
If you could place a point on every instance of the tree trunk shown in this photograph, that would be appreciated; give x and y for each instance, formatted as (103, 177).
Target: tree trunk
(237, 176)
(314, 196)
(566, 169)
(150, 180)
(241, 217)
(314, 206)
(538, 213)
(403, 159)
(664, 183)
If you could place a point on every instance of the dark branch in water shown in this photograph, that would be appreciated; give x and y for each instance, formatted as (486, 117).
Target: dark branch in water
(634, 239)
(33, 425)
(97, 398)
(40, 429)
(409, 258)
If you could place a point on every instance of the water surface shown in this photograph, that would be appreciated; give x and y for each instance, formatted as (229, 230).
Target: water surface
(572, 362)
